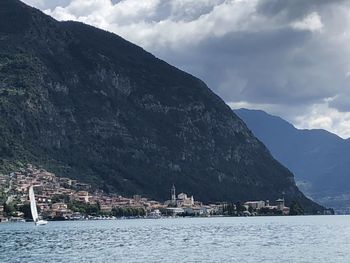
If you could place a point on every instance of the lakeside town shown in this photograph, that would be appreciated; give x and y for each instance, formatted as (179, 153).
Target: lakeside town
(61, 198)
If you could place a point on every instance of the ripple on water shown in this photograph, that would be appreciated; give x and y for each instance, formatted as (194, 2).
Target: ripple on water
(259, 239)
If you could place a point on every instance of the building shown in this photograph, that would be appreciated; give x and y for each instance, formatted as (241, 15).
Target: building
(82, 196)
(66, 182)
(43, 199)
(60, 210)
(173, 195)
(59, 206)
(137, 198)
(155, 214)
(106, 208)
(173, 211)
(255, 204)
(280, 204)
(183, 200)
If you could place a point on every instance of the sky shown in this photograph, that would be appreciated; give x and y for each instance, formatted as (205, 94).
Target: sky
(290, 58)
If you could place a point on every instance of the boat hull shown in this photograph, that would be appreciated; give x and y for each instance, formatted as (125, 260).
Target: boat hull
(40, 223)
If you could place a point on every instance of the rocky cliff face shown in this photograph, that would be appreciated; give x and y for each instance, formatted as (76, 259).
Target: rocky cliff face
(87, 103)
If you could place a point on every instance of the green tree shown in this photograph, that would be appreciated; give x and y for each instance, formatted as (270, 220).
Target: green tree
(10, 208)
(25, 209)
(296, 209)
(229, 209)
(250, 209)
(85, 209)
(128, 211)
(240, 207)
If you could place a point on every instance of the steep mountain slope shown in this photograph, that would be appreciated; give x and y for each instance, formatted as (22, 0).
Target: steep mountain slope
(319, 159)
(87, 103)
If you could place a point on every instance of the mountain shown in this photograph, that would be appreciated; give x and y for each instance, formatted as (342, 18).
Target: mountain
(319, 159)
(86, 103)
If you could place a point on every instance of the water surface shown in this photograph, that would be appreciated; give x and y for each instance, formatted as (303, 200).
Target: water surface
(250, 239)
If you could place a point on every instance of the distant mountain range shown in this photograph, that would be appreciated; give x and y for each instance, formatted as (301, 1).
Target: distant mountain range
(319, 159)
(88, 104)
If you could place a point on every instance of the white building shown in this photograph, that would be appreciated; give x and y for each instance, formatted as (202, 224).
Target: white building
(184, 200)
(255, 204)
(173, 211)
(280, 204)
(173, 195)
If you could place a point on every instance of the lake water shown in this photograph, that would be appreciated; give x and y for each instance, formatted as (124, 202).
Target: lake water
(249, 239)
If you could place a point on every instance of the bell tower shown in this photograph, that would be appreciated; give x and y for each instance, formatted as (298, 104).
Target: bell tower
(173, 195)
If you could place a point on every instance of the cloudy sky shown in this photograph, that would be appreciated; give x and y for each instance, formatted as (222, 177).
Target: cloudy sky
(288, 57)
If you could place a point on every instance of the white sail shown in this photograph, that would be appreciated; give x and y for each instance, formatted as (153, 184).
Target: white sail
(33, 204)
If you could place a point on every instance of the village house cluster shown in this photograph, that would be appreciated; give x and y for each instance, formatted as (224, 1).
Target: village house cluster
(55, 196)
(185, 205)
(258, 206)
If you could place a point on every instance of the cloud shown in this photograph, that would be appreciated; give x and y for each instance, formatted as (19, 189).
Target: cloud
(293, 9)
(314, 116)
(324, 117)
(286, 54)
(312, 22)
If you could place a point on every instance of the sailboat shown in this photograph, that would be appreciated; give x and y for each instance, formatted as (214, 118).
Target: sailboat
(33, 208)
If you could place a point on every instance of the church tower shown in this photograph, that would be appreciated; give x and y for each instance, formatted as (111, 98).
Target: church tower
(173, 195)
